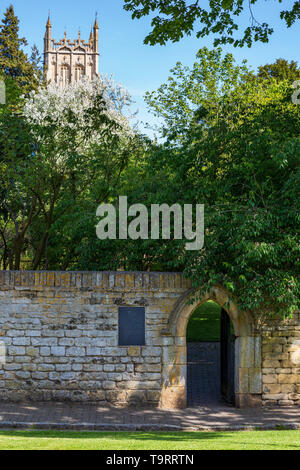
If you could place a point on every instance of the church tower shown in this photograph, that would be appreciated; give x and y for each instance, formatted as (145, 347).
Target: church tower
(66, 61)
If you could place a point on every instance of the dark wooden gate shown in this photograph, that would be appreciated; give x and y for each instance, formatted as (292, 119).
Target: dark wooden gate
(227, 359)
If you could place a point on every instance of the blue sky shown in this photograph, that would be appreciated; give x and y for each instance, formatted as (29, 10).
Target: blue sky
(123, 54)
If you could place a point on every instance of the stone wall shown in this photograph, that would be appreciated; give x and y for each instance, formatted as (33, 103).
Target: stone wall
(60, 330)
(281, 362)
(61, 335)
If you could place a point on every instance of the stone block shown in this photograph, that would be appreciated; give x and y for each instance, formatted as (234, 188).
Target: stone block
(75, 351)
(58, 351)
(16, 351)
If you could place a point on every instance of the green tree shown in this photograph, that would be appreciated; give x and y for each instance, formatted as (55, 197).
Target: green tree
(14, 150)
(13, 61)
(199, 88)
(60, 157)
(177, 18)
(249, 168)
(280, 70)
(37, 63)
(242, 160)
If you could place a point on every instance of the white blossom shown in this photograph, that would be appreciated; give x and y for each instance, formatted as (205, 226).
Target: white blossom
(54, 100)
(50, 104)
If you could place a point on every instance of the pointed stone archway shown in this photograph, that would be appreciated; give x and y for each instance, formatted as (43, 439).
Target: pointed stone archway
(248, 382)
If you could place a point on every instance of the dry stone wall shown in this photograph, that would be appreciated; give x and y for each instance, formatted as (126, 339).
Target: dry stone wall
(61, 335)
(60, 331)
(281, 362)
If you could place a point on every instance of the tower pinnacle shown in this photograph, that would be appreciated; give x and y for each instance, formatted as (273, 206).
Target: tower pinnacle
(96, 26)
(48, 22)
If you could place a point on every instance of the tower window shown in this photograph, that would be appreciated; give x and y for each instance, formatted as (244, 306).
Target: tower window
(79, 72)
(65, 74)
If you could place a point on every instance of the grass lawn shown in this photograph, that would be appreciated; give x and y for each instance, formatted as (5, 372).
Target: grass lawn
(204, 324)
(63, 440)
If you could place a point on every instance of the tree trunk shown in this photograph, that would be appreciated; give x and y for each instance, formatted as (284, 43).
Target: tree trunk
(17, 251)
(40, 251)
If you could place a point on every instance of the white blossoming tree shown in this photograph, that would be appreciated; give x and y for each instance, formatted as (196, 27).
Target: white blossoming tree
(80, 141)
(91, 111)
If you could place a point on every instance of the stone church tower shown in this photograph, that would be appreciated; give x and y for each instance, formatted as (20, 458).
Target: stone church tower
(66, 62)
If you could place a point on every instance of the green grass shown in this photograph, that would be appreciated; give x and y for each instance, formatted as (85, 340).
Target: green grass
(204, 324)
(59, 440)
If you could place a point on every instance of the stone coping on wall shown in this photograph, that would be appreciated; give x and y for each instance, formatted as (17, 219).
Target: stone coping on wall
(108, 280)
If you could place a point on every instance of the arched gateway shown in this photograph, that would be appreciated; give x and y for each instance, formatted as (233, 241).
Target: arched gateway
(121, 337)
(248, 375)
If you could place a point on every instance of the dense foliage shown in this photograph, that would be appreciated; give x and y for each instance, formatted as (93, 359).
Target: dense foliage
(14, 62)
(65, 159)
(229, 140)
(237, 149)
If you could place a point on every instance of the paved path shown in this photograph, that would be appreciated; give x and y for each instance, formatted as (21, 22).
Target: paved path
(75, 416)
